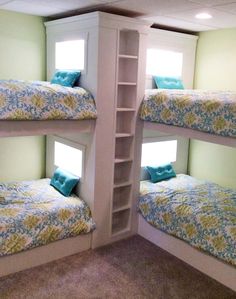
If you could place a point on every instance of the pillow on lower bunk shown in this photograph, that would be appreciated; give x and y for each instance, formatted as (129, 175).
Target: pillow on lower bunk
(64, 181)
(66, 78)
(168, 82)
(160, 173)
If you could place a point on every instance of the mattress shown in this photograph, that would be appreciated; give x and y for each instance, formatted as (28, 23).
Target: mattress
(25, 100)
(33, 213)
(206, 111)
(199, 212)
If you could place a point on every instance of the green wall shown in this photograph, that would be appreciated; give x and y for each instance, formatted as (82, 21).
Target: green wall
(22, 158)
(22, 56)
(22, 46)
(215, 69)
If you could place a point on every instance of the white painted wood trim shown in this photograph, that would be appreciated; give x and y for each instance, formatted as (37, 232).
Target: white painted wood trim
(168, 33)
(102, 18)
(44, 254)
(209, 265)
(10, 128)
(189, 133)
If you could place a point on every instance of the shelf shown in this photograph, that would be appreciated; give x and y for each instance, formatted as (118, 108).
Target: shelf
(122, 172)
(122, 198)
(127, 70)
(125, 109)
(125, 122)
(129, 42)
(124, 148)
(123, 135)
(122, 193)
(127, 83)
(121, 221)
(126, 96)
(120, 232)
(115, 210)
(128, 56)
(122, 183)
(122, 160)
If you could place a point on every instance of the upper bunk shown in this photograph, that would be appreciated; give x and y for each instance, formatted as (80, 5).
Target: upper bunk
(43, 108)
(205, 115)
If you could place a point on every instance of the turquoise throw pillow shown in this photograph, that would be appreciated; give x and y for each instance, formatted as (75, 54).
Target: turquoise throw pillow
(168, 82)
(66, 78)
(64, 181)
(160, 173)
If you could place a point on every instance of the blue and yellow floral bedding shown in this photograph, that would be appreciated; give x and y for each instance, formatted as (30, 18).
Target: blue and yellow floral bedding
(199, 212)
(206, 111)
(25, 100)
(33, 213)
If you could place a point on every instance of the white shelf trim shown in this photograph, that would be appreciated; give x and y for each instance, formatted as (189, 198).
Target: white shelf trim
(122, 135)
(127, 83)
(128, 56)
(123, 160)
(122, 208)
(122, 184)
(125, 109)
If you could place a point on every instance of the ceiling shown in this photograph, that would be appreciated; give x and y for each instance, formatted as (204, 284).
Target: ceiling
(170, 13)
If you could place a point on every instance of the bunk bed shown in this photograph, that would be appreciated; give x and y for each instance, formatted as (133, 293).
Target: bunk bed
(194, 220)
(206, 116)
(200, 212)
(199, 114)
(41, 108)
(33, 108)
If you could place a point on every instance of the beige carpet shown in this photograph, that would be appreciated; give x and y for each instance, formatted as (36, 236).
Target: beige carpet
(133, 268)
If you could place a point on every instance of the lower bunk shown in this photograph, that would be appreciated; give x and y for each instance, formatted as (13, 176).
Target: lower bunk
(32, 214)
(182, 215)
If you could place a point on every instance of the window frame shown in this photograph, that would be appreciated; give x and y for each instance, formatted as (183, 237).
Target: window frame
(160, 139)
(72, 37)
(82, 41)
(70, 143)
(160, 48)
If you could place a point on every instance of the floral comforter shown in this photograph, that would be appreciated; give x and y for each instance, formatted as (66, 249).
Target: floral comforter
(33, 213)
(206, 111)
(25, 100)
(198, 212)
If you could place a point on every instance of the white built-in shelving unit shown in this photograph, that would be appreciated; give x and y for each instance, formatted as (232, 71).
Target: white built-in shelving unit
(125, 112)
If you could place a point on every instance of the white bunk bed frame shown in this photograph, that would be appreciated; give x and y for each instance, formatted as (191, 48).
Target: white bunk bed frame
(61, 248)
(44, 254)
(11, 128)
(101, 34)
(189, 133)
(209, 265)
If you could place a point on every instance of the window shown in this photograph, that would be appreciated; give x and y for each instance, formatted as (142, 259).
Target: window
(164, 63)
(158, 153)
(69, 158)
(70, 55)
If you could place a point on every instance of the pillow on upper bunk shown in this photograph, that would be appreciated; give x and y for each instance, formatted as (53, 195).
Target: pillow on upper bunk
(160, 173)
(66, 78)
(168, 82)
(64, 181)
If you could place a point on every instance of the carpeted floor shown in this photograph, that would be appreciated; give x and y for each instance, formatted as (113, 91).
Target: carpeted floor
(132, 268)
